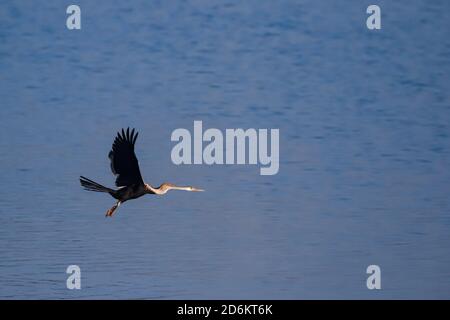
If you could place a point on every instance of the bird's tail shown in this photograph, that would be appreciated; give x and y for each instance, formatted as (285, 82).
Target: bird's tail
(93, 186)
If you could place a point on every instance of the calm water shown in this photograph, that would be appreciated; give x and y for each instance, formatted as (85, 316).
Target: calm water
(364, 121)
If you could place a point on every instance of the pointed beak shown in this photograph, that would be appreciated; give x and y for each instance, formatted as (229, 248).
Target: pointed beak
(196, 190)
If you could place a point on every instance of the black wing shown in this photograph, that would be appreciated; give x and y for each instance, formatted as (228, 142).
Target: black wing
(124, 163)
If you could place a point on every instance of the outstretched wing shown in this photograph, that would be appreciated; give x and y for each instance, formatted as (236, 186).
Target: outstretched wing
(124, 163)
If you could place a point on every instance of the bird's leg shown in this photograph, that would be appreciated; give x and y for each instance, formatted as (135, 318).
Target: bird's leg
(110, 212)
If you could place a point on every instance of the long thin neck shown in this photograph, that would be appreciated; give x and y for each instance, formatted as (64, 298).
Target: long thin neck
(162, 189)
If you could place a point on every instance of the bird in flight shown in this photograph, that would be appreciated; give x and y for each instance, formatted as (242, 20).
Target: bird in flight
(125, 166)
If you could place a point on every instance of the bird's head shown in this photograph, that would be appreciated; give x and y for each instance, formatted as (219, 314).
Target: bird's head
(162, 189)
(194, 189)
(170, 186)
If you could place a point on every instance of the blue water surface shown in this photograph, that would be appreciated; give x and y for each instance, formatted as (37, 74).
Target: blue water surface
(364, 120)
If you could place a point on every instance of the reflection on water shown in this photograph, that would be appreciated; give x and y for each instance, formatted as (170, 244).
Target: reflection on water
(364, 149)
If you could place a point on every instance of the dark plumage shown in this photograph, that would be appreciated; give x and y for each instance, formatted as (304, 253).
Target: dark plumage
(125, 166)
(124, 163)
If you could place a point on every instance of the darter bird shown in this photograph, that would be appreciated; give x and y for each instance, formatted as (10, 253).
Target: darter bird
(125, 166)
